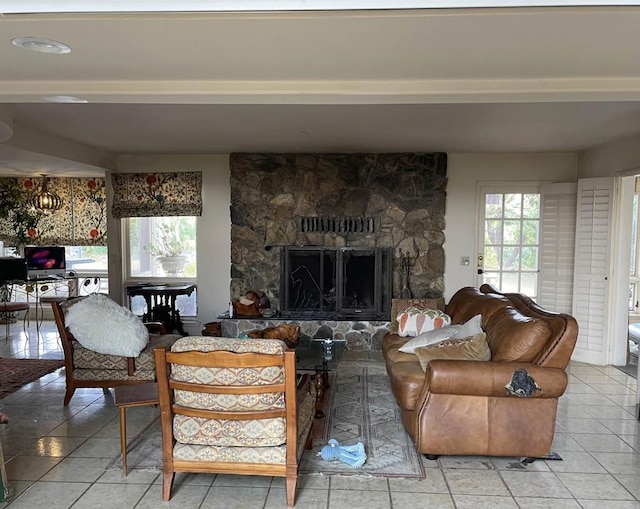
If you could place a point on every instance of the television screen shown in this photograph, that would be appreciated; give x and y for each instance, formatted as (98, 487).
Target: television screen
(45, 261)
(13, 269)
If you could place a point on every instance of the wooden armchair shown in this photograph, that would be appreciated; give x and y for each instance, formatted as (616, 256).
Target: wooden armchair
(87, 368)
(233, 406)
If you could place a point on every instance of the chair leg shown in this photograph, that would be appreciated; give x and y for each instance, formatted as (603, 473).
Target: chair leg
(167, 482)
(291, 483)
(68, 395)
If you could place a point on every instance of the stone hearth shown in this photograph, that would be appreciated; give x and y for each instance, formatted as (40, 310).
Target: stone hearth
(360, 335)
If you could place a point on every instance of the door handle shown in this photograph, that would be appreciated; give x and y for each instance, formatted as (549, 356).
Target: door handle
(480, 271)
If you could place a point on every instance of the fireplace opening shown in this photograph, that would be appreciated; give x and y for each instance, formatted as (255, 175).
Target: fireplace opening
(336, 283)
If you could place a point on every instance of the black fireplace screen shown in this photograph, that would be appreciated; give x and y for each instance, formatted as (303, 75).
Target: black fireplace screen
(323, 282)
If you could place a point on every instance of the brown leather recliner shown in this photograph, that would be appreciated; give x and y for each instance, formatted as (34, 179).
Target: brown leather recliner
(460, 407)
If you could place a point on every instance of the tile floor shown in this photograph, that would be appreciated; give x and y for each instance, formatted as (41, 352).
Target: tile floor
(56, 456)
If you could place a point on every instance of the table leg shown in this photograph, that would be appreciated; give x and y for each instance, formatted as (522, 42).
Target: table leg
(123, 438)
(322, 384)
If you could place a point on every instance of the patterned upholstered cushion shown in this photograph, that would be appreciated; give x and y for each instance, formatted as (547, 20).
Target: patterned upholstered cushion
(111, 374)
(233, 433)
(211, 344)
(268, 455)
(84, 358)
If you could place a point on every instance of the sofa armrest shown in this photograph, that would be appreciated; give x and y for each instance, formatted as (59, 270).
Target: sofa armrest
(488, 378)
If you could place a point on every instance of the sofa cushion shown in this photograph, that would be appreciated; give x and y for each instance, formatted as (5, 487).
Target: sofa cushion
(472, 327)
(513, 336)
(413, 321)
(429, 338)
(399, 305)
(474, 348)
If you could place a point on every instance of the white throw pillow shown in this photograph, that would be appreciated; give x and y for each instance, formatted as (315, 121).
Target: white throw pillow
(430, 338)
(102, 325)
(471, 327)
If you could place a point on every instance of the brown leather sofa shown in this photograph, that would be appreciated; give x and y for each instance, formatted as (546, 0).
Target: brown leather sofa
(461, 407)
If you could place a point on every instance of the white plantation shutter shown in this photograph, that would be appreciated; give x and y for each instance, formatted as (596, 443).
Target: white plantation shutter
(557, 243)
(592, 267)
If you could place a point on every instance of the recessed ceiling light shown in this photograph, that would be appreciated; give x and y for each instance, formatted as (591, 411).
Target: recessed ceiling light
(64, 99)
(41, 45)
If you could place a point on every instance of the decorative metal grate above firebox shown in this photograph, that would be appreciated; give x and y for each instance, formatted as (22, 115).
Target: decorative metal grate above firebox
(338, 224)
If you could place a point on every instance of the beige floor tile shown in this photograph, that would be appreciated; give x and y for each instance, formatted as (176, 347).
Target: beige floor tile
(420, 500)
(592, 399)
(547, 503)
(622, 426)
(344, 482)
(630, 482)
(230, 497)
(577, 462)
(108, 496)
(619, 463)
(29, 468)
(594, 486)
(603, 443)
(564, 443)
(54, 446)
(610, 504)
(252, 481)
(49, 495)
(135, 476)
(579, 426)
(305, 499)
(433, 483)
(475, 482)
(183, 498)
(535, 484)
(343, 499)
(98, 448)
(77, 470)
(484, 502)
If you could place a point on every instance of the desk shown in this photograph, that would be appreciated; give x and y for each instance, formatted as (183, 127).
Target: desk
(61, 286)
(161, 303)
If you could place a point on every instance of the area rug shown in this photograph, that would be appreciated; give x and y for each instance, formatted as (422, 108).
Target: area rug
(362, 408)
(14, 373)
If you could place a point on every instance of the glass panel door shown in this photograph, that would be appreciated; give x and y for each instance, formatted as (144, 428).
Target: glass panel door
(508, 256)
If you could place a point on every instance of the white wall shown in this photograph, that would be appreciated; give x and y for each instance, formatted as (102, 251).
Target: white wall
(607, 160)
(466, 172)
(213, 227)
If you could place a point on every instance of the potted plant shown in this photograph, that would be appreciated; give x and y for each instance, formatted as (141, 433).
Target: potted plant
(168, 247)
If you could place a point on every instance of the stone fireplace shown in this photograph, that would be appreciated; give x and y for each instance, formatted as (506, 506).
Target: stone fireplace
(344, 211)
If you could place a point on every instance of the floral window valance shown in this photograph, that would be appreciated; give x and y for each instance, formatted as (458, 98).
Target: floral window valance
(81, 221)
(157, 194)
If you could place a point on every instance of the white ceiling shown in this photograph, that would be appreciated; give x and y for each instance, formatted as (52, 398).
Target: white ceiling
(465, 80)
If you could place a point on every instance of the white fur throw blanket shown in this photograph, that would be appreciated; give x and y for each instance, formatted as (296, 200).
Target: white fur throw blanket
(102, 325)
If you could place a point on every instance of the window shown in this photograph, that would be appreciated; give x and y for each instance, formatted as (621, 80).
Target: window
(162, 247)
(510, 241)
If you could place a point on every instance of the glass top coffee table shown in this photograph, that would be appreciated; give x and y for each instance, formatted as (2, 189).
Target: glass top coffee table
(321, 356)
